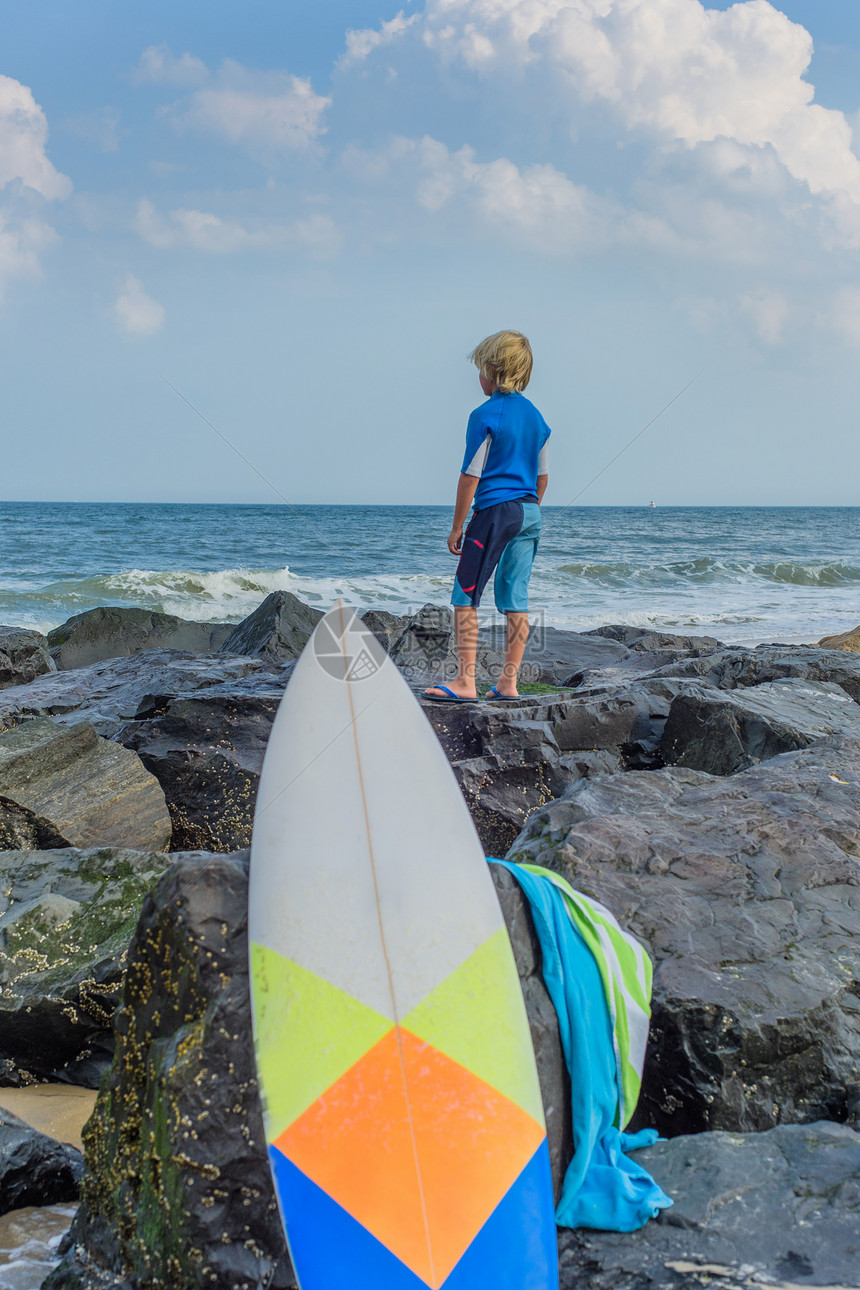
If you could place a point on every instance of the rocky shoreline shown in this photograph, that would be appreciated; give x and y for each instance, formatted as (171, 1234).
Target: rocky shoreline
(710, 795)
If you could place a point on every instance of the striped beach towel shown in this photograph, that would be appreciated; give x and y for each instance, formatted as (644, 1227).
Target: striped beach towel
(599, 979)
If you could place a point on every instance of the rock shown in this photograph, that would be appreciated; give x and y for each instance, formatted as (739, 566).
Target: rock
(426, 650)
(502, 791)
(722, 732)
(65, 786)
(642, 638)
(846, 640)
(66, 921)
(731, 669)
(559, 655)
(177, 1190)
(386, 627)
(277, 631)
(111, 693)
(23, 656)
(110, 632)
(747, 893)
(774, 1208)
(34, 1169)
(206, 751)
(511, 758)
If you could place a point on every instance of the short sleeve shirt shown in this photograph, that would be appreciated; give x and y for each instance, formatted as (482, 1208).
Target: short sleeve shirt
(506, 449)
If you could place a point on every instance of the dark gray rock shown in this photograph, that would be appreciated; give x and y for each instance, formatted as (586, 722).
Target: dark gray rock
(65, 786)
(34, 1169)
(426, 651)
(511, 758)
(177, 1190)
(66, 920)
(109, 694)
(277, 631)
(386, 627)
(559, 656)
(111, 632)
(642, 638)
(206, 751)
(779, 1208)
(23, 656)
(731, 669)
(724, 731)
(747, 892)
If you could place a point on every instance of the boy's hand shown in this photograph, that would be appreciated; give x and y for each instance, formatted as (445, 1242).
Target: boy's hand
(455, 540)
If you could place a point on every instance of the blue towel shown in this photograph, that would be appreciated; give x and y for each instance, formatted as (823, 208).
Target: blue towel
(602, 1187)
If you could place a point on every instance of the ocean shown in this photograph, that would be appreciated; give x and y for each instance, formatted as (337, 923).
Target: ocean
(745, 575)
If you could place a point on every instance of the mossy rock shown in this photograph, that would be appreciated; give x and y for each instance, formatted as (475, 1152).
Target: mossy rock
(64, 935)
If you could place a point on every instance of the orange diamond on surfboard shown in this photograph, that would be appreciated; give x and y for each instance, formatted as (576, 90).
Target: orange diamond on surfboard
(360, 1141)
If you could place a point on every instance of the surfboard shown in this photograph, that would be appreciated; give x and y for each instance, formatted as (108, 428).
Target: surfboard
(402, 1108)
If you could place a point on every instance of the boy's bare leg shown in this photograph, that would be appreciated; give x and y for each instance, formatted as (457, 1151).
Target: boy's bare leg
(518, 634)
(466, 635)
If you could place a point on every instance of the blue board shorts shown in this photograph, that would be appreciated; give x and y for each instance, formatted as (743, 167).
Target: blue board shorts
(503, 538)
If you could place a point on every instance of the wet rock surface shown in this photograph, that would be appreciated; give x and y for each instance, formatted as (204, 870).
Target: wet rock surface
(111, 632)
(177, 1190)
(35, 1169)
(423, 647)
(727, 731)
(425, 650)
(731, 669)
(24, 655)
(206, 751)
(277, 631)
(778, 1208)
(110, 694)
(746, 892)
(66, 921)
(511, 758)
(69, 787)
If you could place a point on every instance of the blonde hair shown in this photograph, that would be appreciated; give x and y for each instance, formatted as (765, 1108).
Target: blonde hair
(505, 358)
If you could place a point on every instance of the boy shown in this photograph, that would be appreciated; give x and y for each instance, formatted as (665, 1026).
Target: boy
(505, 473)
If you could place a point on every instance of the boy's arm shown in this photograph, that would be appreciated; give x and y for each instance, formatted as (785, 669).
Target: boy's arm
(542, 481)
(467, 486)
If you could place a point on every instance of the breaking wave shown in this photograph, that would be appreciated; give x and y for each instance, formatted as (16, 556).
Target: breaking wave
(707, 570)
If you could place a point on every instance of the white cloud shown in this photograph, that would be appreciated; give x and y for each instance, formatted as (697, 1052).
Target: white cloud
(29, 179)
(158, 66)
(205, 231)
(360, 44)
(284, 120)
(769, 310)
(136, 312)
(23, 136)
(268, 112)
(670, 69)
(538, 200)
(21, 240)
(319, 235)
(202, 231)
(843, 316)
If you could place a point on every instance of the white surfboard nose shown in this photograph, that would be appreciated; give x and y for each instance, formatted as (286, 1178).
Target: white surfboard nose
(361, 829)
(343, 647)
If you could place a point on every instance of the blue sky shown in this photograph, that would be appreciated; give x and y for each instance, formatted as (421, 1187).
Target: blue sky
(305, 216)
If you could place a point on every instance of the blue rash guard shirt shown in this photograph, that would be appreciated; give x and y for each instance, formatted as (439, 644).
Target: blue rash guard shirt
(506, 448)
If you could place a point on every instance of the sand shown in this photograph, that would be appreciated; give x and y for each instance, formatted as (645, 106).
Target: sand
(60, 1110)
